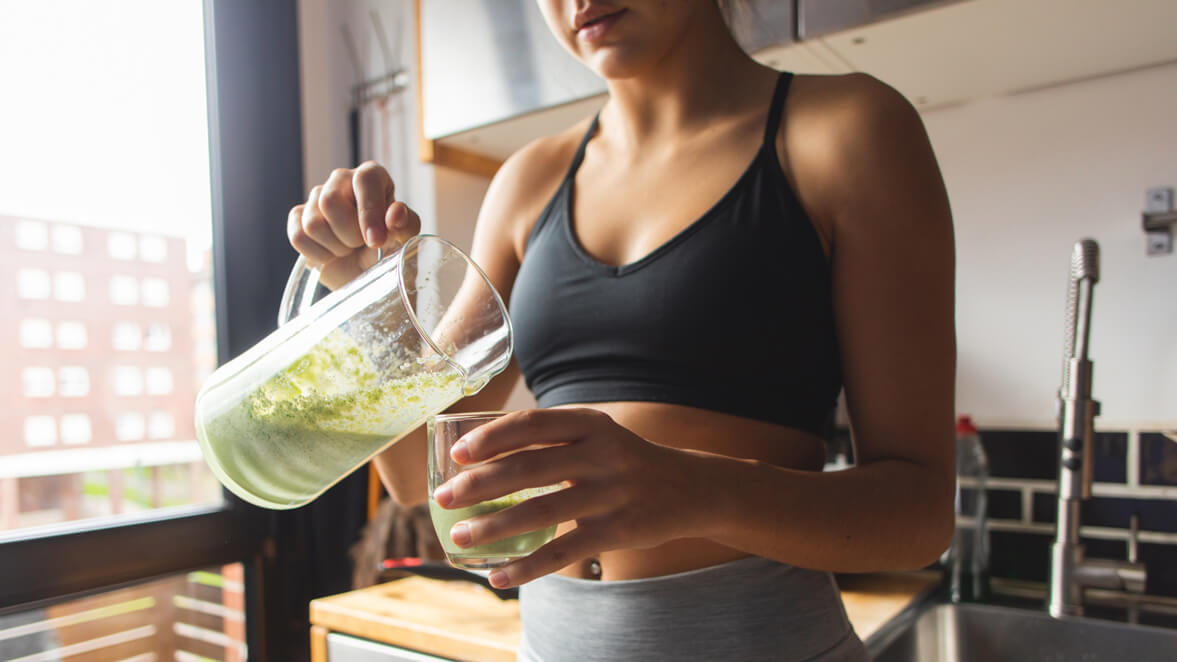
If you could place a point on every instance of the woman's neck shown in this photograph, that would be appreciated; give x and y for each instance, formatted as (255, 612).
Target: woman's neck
(706, 73)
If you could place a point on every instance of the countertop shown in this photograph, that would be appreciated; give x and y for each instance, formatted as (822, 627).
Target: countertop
(464, 621)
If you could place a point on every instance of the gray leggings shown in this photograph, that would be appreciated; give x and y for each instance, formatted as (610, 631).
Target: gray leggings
(747, 610)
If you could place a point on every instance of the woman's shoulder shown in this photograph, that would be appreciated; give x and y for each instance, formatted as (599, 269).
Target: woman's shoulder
(840, 132)
(528, 179)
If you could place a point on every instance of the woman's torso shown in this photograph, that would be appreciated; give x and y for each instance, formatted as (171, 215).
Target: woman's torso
(669, 189)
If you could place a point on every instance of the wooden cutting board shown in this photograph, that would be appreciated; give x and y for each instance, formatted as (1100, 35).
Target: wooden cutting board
(463, 621)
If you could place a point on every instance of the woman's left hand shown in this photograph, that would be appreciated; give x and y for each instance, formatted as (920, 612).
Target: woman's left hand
(622, 491)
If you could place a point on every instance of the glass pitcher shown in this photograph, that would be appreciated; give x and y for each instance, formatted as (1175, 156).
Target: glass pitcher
(344, 377)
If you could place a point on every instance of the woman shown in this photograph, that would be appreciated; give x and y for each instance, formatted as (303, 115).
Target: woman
(694, 275)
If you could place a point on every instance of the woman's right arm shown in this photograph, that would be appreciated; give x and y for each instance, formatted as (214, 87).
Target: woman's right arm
(345, 220)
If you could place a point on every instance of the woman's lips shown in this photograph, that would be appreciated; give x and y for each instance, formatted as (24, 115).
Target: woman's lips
(595, 31)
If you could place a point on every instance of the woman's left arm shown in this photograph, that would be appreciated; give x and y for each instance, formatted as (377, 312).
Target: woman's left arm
(867, 174)
(864, 166)
(865, 169)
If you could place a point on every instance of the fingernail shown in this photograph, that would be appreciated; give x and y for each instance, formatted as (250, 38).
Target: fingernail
(460, 534)
(443, 495)
(459, 452)
(498, 579)
(370, 237)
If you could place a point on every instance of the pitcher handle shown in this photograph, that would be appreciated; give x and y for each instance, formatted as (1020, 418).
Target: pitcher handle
(300, 289)
(299, 292)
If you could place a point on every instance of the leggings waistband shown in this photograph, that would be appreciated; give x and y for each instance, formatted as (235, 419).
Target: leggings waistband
(749, 609)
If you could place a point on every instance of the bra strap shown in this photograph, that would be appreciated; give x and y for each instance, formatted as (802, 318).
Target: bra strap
(588, 135)
(777, 107)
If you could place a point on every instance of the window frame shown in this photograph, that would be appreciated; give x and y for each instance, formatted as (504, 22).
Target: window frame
(255, 154)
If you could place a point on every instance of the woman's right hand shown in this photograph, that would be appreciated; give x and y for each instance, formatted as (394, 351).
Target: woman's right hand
(346, 219)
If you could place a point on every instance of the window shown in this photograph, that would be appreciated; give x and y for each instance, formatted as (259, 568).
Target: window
(129, 426)
(67, 239)
(38, 382)
(161, 425)
(32, 284)
(159, 381)
(69, 286)
(128, 380)
(32, 235)
(124, 290)
(36, 333)
(155, 292)
(159, 338)
(71, 335)
(40, 431)
(153, 249)
(121, 245)
(126, 336)
(75, 429)
(73, 381)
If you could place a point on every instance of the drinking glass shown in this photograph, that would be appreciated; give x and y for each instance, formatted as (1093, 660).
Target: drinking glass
(443, 431)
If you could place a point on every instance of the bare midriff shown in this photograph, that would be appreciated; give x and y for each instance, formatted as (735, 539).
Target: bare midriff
(696, 429)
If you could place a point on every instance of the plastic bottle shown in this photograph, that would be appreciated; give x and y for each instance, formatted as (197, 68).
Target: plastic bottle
(966, 562)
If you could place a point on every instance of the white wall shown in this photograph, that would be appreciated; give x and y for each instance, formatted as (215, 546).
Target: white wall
(328, 74)
(1028, 175)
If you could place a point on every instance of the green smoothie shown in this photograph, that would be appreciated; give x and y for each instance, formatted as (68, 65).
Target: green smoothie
(490, 554)
(315, 421)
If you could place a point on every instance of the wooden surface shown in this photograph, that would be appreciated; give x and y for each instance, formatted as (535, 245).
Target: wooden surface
(872, 600)
(464, 621)
(457, 620)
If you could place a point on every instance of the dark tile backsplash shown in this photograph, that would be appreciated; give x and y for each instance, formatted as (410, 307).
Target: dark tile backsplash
(1032, 456)
(1158, 460)
(1021, 453)
(1111, 457)
(1018, 555)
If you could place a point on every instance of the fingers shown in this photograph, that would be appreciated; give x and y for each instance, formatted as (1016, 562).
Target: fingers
(352, 209)
(374, 192)
(507, 475)
(579, 543)
(538, 512)
(337, 203)
(401, 223)
(521, 429)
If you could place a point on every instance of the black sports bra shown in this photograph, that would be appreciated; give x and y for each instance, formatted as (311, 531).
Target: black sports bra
(733, 314)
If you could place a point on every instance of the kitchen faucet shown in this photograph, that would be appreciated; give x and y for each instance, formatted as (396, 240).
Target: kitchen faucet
(1070, 572)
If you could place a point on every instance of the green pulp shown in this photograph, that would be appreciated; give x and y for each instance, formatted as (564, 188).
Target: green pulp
(316, 421)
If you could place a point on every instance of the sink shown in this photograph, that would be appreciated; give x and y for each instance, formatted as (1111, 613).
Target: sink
(984, 633)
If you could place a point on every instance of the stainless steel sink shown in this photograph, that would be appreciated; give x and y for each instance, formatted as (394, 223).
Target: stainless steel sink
(983, 633)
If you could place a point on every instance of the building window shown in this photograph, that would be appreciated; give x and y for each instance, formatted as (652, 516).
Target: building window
(124, 290)
(128, 380)
(73, 381)
(155, 292)
(36, 333)
(129, 426)
(38, 382)
(69, 286)
(153, 249)
(32, 284)
(40, 431)
(121, 245)
(126, 336)
(75, 429)
(71, 335)
(32, 235)
(161, 425)
(67, 240)
(159, 338)
(159, 381)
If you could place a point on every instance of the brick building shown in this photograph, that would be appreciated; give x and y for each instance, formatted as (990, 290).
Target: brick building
(106, 335)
